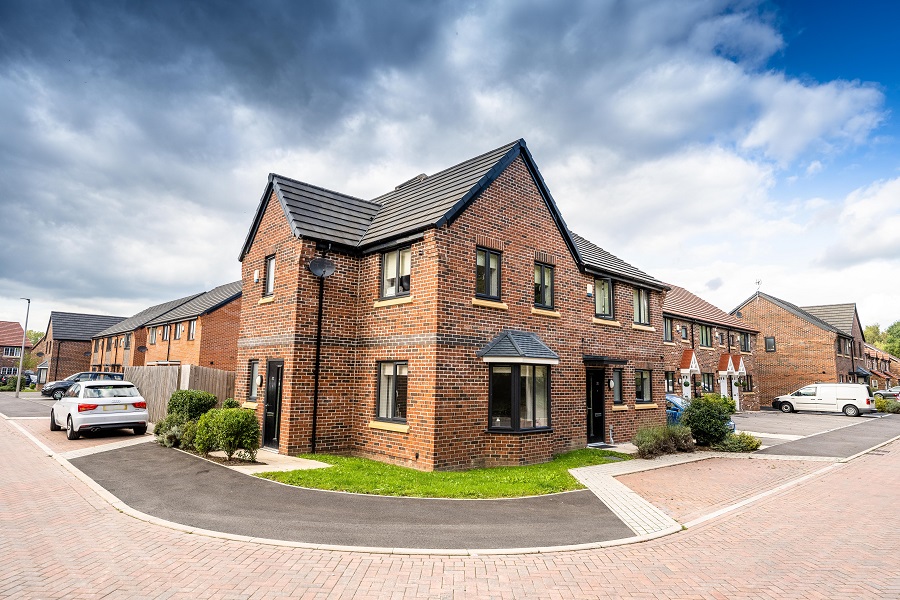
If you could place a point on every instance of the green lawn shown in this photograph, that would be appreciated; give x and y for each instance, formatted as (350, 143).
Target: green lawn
(364, 476)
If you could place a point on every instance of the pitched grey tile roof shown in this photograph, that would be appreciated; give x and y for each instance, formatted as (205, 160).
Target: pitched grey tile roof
(793, 309)
(79, 326)
(423, 201)
(145, 316)
(517, 344)
(201, 304)
(836, 315)
(682, 303)
(601, 260)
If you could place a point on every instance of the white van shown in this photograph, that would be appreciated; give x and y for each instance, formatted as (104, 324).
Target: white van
(849, 398)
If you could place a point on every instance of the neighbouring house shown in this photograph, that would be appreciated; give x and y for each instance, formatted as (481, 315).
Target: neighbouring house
(803, 345)
(11, 334)
(116, 347)
(66, 345)
(880, 364)
(202, 331)
(463, 324)
(707, 350)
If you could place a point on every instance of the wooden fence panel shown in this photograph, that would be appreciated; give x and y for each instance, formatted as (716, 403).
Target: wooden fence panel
(214, 381)
(156, 385)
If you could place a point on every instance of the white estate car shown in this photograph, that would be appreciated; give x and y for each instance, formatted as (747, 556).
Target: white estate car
(96, 405)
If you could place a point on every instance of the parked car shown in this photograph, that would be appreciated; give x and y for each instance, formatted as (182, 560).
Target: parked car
(890, 393)
(27, 378)
(849, 398)
(100, 404)
(675, 406)
(58, 388)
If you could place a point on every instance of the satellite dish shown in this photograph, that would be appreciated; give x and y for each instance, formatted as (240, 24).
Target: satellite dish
(142, 348)
(321, 267)
(40, 354)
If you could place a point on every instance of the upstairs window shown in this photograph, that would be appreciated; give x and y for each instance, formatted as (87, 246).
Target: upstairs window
(487, 274)
(770, 344)
(705, 335)
(543, 286)
(192, 328)
(15, 351)
(178, 328)
(165, 333)
(684, 332)
(392, 387)
(395, 269)
(721, 338)
(127, 341)
(667, 329)
(744, 338)
(641, 306)
(152, 335)
(519, 397)
(269, 281)
(97, 345)
(603, 299)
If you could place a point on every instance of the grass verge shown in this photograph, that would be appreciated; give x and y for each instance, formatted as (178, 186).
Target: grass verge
(364, 476)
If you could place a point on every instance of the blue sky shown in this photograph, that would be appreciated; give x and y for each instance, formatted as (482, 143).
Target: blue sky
(710, 143)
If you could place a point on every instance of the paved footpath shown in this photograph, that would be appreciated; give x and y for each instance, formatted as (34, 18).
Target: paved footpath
(830, 537)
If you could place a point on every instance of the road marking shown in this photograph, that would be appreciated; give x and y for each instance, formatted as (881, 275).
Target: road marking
(107, 447)
(774, 436)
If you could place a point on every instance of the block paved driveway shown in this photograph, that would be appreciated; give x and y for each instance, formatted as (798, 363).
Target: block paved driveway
(829, 537)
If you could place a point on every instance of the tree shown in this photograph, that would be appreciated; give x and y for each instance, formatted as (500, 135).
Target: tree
(892, 339)
(874, 335)
(35, 336)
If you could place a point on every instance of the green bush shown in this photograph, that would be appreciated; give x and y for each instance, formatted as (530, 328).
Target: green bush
(188, 433)
(664, 439)
(190, 404)
(892, 406)
(206, 437)
(881, 404)
(742, 442)
(707, 417)
(231, 403)
(169, 430)
(238, 429)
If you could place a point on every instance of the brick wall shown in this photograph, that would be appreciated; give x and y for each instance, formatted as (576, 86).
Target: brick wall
(218, 333)
(804, 353)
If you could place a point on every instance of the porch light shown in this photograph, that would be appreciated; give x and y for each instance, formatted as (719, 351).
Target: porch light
(612, 384)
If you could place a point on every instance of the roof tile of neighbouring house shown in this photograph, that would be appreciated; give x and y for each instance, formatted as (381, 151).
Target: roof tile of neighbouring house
(840, 316)
(686, 357)
(517, 344)
(11, 334)
(201, 304)
(598, 258)
(79, 326)
(793, 309)
(145, 316)
(682, 303)
(724, 361)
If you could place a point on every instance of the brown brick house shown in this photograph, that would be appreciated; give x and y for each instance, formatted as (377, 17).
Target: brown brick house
(115, 347)
(11, 334)
(464, 323)
(202, 331)
(803, 345)
(66, 345)
(709, 349)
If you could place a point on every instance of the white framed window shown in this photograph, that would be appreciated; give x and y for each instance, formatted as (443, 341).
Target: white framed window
(192, 329)
(151, 335)
(15, 351)
(395, 272)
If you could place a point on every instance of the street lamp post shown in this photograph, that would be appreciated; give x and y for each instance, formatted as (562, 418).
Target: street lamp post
(22, 351)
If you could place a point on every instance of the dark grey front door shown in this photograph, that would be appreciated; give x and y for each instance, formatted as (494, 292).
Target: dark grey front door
(272, 422)
(595, 405)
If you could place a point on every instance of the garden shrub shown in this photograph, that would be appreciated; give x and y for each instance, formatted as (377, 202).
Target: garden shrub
(881, 404)
(238, 429)
(231, 403)
(892, 406)
(707, 417)
(206, 436)
(664, 439)
(741, 442)
(169, 430)
(190, 404)
(188, 433)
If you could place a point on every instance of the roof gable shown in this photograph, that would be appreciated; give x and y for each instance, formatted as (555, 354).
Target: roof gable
(840, 316)
(518, 346)
(682, 303)
(11, 334)
(79, 326)
(140, 319)
(791, 308)
(689, 361)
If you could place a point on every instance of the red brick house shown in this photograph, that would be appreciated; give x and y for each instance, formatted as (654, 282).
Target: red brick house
(202, 331)
(803, 345)
(883, 366)
(11, 334)
(66, 345)
(463, 325)
(707, 349)
(115, 347)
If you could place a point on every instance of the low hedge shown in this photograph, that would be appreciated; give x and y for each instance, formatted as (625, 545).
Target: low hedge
(707, 417)
(190, 404)
(664, 439)
(891, 406)
(741, 442)
(229, 430)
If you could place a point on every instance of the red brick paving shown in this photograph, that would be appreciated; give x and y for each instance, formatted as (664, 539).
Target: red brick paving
(686, 492)
(831, 537)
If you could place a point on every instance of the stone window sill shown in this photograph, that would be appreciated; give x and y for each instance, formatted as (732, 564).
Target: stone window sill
(520, 431)
(387, 426)
(266, 300)
(618, 407)
(545, 313)
(669, 343)
(644, 405)
(249, 404)
(392, 301)
(607, 322)
(490, 303)
(701, 346)
(642, 327)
